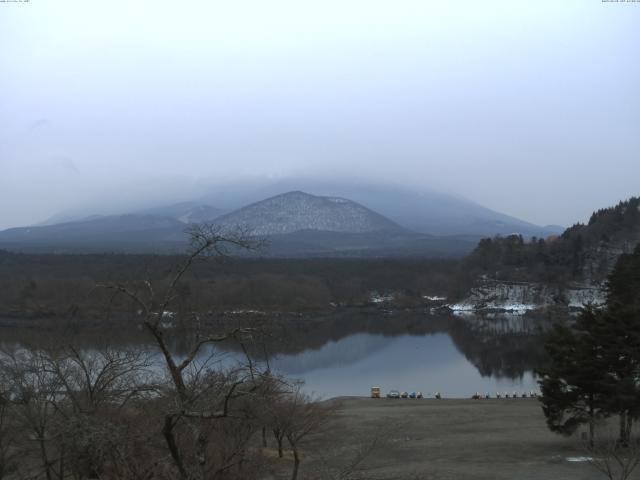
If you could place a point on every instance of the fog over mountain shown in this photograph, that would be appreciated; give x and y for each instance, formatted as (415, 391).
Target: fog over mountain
(295, 224)
(527, 108)
(420, 209)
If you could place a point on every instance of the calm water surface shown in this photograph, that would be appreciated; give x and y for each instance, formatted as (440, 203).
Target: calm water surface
(456, 356)
(428, 363)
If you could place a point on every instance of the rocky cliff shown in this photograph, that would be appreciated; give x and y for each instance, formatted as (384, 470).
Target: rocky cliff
(491, 295)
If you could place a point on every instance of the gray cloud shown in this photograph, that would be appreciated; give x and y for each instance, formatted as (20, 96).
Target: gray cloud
(66, 163)
(39, 123)
(530, 108)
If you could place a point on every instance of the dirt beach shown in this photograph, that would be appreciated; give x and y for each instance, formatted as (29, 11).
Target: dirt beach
(452, 439)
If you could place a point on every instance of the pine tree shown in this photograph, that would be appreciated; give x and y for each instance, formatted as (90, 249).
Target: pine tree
(594, 366)
(620, 339)
(573, 384)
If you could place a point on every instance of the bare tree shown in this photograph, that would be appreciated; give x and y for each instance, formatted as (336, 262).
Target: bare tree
(97, 386)
(111, 413)
(300, 415)
(106, 377)
(8, 453)
(33, 392)
(276, 417)
(73, 406)
(198, 394)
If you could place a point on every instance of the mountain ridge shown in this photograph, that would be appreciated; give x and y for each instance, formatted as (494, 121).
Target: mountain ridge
(297, 223)
(296, 211)
(419, 209)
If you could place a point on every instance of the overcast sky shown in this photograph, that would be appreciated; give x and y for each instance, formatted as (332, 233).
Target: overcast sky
(531, 108)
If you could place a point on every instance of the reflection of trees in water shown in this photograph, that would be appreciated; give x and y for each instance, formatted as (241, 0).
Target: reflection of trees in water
(499, 345)
(343, 353)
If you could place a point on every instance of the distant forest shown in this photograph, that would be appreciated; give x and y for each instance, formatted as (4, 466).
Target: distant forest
(49, 285)
(581, 253)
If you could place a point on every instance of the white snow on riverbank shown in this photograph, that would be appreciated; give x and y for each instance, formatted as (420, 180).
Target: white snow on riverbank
(521, 297)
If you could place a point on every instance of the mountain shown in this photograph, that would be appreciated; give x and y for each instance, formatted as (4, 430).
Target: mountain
(381, 243)
(330, 219)
(584, 253)
(296, 224)
(130, 233)
(67, 217)
(298, 211)
(419, 209)
(185, 212)
(567, 271)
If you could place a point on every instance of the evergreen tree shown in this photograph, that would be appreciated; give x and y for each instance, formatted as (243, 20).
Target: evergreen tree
(620, 338)
(572, 384)
(594, 367)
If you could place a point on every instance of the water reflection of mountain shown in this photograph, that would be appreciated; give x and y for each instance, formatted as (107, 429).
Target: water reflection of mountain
(343, 352)
(497, 345)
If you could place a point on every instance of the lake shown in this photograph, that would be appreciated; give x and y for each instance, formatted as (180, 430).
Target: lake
(346, 354)
(427, 363)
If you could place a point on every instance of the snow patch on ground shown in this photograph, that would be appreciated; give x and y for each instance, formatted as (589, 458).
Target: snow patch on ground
(579, 459)
(513, 307)
(376, 297)
(434, 298)
(463, 307)
(519, 308)
(245, 312)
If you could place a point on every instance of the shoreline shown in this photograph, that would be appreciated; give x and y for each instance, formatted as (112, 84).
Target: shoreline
(494, 439)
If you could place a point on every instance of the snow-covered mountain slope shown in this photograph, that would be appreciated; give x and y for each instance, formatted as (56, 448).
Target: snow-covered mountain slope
(298, 211)
(296, 224)
(418, 209)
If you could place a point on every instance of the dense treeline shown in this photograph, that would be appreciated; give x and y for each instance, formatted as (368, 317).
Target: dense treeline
(582, 252)
(60, 285)
(594, 366)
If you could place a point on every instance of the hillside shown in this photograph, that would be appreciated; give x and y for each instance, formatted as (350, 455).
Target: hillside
(185, 212)
(421, 210)
(295, 224)
(125, 233)
(298, 211)
(583, 255)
